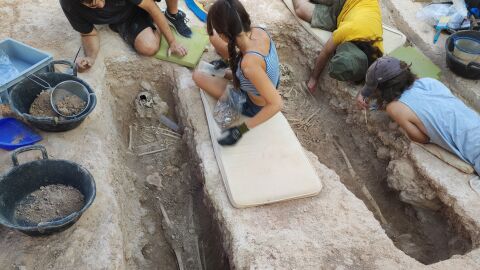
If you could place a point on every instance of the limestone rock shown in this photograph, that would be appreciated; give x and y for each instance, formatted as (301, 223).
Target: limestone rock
(383, 153)
(413, 190)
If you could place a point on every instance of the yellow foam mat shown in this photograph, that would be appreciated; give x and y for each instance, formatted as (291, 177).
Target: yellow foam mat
(195, 45)
(392, 38)
(267, 165)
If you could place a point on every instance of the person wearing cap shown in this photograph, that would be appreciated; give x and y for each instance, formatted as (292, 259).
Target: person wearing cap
(356, 40)
(424, 108)
(140, 23)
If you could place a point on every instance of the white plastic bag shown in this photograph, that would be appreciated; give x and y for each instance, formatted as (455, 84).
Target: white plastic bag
(229, 107)
(432, 13)
(460, 7)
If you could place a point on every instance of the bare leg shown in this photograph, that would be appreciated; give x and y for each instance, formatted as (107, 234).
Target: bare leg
(304, 9)
(172, 6)
(214, 86)
(147, 42)
(221, 47)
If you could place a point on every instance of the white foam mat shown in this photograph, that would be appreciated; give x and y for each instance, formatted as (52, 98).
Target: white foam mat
(267, 165)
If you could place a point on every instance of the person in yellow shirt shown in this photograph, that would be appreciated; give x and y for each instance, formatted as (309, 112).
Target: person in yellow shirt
(356, 41)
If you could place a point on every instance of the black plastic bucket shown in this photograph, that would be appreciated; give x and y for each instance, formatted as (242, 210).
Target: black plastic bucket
(24, 179)
(470, 70)
(21, 96)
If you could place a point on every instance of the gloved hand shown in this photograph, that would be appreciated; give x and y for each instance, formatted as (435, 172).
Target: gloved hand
(232, 135)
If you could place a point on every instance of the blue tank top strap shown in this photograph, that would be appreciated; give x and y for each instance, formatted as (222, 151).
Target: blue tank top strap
(263, 28)
(255, 52)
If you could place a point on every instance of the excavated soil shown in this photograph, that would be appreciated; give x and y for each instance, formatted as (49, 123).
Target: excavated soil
(69, 105)
(49, 203)
(41, 106)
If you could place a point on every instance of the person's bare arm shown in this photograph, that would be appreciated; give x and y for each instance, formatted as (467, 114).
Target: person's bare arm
(400, 115)
(159, 18)
(322, 59)
(91, 46)
(252, 69)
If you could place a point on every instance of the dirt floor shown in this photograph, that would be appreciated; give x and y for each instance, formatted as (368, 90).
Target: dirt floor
(41, 106)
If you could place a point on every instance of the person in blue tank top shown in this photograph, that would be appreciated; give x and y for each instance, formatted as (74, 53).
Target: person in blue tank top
(424, 108)
(253, 62)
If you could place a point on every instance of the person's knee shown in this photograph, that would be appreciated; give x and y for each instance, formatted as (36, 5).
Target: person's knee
(147, 42)
(147, 48)
(301, 12)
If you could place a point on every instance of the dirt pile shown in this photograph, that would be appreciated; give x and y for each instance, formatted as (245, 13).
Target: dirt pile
(48, 203)
(41, 106)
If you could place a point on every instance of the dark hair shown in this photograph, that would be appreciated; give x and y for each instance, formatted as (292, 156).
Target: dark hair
(372, 52)
(392, 89)
(229, 18)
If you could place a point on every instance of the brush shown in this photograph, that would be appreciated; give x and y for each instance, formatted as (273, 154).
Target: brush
(441, 25)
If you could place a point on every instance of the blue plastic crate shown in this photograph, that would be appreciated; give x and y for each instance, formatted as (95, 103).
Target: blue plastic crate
(24, 58)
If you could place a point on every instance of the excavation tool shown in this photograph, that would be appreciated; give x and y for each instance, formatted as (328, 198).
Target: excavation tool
(441, 25)
(34, 67)
(22, 95)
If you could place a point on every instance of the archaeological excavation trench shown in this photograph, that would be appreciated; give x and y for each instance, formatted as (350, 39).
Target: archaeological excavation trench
(166, 216)
(341, 142)
(178, 223)
(179, 232)
(155, 210)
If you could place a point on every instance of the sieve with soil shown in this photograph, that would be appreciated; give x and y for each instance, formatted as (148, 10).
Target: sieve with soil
(68, 105)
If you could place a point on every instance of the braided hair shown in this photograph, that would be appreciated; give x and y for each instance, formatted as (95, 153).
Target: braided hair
(229, 18)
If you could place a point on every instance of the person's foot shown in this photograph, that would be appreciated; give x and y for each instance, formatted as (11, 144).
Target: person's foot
(179, 22)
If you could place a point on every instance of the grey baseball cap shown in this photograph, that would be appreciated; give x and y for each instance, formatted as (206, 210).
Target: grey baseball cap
(384, 69)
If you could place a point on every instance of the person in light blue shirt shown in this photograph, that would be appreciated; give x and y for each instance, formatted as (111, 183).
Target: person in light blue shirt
(424, 108)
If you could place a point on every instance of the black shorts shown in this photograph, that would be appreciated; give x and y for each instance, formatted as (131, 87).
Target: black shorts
(251, 109)
(130, 28)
